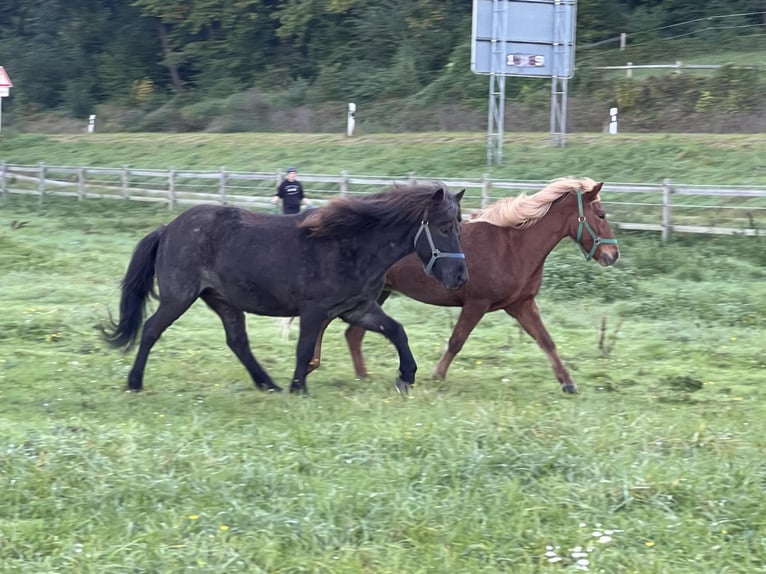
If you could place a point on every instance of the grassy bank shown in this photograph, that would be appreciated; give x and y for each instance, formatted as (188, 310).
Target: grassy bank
(687, 158)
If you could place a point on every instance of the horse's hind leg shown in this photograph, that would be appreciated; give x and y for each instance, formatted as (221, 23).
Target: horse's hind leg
(470, 315)
(528, 316)
(236, 338)
(167, 312)
(354, 338)
(317, 359)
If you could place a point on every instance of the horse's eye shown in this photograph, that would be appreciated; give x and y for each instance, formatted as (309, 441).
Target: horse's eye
(601, 215)
(444, 230)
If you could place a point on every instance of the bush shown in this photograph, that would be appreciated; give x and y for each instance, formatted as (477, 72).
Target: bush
(566, 278)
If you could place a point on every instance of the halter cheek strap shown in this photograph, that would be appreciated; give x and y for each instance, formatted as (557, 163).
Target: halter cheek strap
(435, 253)
(582, 223)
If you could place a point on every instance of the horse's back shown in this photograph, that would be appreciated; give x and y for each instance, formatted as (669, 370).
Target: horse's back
(250, 259)
(206, 232)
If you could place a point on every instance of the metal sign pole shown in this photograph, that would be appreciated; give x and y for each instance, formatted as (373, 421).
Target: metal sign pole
(528, 38)
(558, 111)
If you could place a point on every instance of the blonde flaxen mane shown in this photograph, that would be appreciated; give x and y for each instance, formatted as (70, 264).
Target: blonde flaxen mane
(526, 210)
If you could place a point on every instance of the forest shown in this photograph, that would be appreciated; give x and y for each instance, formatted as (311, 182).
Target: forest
(177, 65)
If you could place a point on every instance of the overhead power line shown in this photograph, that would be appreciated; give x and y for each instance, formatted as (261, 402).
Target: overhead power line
(720, 16)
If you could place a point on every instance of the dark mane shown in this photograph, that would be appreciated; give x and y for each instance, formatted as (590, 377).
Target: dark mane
(395, 206)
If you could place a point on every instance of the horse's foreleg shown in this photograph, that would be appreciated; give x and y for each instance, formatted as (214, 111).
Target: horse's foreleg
(313, 324)
(355, 336)
(155, 325)
(236, 338)
(528, 316)
(374, 319)
(470, 315)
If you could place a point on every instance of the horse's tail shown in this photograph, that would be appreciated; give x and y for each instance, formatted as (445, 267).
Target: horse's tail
(137, 286)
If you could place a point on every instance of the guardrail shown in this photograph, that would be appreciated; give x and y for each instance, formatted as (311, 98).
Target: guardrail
(659, 207)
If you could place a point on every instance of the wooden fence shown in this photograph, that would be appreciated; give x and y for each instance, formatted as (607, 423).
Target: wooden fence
(664, 207)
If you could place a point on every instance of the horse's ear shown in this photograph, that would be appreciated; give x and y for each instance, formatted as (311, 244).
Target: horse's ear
(438, 195)
(459, 196)
(597, 188)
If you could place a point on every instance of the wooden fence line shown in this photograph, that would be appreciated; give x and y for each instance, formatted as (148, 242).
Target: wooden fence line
(254, 190)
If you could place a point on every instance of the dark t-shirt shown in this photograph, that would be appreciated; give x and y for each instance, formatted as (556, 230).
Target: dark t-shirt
(291, 194)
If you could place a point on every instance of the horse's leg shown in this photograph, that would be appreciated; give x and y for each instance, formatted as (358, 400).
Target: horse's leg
(313, 324)
(528, 316)
(354, 337)
(167, 312)
(373, 318)
(470, 315)
(236, 338)
(317, 359)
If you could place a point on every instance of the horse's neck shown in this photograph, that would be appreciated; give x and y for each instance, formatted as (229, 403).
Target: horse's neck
(543, 236)
(385, 245)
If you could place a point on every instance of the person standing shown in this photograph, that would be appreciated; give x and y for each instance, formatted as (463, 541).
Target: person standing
(290, 192)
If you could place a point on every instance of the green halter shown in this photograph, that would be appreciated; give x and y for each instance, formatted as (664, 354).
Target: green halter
(583, 223)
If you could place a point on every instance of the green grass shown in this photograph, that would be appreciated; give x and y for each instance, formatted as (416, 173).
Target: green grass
(656, 467)
(685, 158)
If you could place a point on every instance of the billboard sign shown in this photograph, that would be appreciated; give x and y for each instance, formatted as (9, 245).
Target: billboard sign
(538, 37)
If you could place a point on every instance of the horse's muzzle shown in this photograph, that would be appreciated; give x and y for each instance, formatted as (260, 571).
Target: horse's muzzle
(608, 258)
(455, 279)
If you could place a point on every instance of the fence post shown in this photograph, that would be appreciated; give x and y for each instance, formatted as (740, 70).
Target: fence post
(222, 185)
(413, 179)
(486, 184)
(41, 182)
(172, 188)
(125, 174)
(80, 183)
(343, 183)
(667, 204)
(3, 180)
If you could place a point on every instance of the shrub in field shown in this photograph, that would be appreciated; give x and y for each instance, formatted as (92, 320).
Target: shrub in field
(566, 277)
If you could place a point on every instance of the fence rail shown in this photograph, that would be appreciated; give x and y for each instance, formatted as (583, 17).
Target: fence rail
(664, 207)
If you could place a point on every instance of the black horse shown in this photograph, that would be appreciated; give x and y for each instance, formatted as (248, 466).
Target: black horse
(321, 264)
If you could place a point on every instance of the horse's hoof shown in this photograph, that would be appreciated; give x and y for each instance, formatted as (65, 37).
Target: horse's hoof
(403, 387)
(274, 389)
(570, 388)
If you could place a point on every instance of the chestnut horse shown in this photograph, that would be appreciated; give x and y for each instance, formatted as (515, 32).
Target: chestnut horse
(505, 246)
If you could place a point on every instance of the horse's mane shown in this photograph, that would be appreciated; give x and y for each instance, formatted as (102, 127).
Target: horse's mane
(403, 204)
(526, 210)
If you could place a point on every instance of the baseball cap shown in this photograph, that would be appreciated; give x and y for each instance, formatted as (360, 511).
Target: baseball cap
(292, 170)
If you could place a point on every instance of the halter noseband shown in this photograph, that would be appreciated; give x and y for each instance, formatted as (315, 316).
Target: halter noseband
(583, 223)
(435, 253)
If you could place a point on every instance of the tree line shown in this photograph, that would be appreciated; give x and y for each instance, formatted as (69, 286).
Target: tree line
(72, 55)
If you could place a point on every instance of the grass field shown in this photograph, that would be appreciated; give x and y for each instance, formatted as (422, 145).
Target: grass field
(687, 158)
(656, 467)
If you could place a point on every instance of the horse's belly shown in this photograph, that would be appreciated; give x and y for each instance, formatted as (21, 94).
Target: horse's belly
(257, 297)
